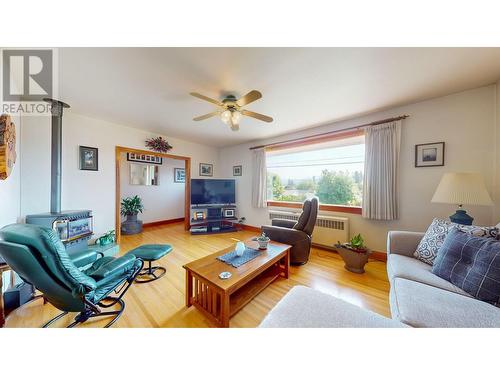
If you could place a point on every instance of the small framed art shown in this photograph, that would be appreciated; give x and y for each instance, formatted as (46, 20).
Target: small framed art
(89, 158)
(429, 155)
(206, 169)
(179, 175)
(141, 158)
(237, 170)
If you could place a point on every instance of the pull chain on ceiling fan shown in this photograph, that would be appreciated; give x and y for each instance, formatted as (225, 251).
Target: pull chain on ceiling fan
(230, 110)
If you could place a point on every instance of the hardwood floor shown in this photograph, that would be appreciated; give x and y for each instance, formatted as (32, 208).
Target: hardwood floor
(162, 303)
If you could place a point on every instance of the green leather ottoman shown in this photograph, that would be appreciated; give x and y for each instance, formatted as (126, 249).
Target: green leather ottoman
(150, 253)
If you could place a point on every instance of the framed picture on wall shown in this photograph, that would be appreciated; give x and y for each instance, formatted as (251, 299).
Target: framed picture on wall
(179, 175)
(89, 158)
(237, 170)
(141, 158)
(206, 169)
(429, 155)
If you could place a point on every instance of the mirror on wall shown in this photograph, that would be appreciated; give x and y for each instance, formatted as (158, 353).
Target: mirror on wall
(144, 174)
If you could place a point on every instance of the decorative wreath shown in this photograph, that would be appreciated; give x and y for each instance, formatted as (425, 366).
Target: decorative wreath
(158, 144)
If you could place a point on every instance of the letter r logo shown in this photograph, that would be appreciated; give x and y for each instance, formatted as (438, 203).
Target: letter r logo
(26, 75)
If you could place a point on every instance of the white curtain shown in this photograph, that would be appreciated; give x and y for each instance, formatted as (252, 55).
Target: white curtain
(381, 186)
(259, 174)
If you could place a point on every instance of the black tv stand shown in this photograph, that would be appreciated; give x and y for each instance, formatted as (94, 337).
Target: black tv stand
(210, 219)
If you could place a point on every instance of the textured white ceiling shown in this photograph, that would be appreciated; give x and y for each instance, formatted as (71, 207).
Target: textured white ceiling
(302, 87)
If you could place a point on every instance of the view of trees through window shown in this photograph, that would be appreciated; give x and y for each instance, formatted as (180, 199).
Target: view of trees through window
(334, 174)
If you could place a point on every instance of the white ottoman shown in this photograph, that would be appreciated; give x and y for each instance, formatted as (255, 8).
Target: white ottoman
(303, 307)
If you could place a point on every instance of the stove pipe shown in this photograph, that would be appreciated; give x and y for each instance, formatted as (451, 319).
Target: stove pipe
(56, 154)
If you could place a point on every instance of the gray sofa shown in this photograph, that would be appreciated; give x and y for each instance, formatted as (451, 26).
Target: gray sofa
(419, 298)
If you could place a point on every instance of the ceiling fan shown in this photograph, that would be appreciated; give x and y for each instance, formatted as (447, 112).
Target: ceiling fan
(230, 110)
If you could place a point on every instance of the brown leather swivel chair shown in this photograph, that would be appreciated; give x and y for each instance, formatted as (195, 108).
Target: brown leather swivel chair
(296, 233)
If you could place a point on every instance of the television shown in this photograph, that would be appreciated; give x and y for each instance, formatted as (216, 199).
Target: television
(212, 191)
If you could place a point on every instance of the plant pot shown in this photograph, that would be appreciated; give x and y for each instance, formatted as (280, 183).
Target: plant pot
(263, 244)
(354, 260)
(131, 225)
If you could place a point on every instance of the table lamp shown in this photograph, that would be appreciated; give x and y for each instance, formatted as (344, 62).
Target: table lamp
(462, 188)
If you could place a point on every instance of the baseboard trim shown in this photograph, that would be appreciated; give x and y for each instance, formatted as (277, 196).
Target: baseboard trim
(375, 255)
(163, 222)
(378, 255)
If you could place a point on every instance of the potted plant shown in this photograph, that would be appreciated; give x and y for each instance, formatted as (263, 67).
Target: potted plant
(263, 241)
(354, 253)
(131, 207)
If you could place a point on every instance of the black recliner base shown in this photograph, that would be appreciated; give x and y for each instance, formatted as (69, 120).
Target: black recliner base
(148, 274)
(90, 313)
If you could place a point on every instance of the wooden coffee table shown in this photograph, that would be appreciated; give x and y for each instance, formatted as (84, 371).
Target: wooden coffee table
(220, 299)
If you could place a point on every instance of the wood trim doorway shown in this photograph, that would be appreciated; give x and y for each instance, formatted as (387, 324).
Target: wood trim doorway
(118, 152)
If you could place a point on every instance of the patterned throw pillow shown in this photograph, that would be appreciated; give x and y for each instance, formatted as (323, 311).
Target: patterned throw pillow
(472, 264)
(433, 239)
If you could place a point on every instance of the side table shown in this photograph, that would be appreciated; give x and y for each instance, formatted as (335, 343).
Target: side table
(3, 268)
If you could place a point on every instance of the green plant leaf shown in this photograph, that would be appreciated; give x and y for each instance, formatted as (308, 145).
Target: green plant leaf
(357, 241)
(131, 206)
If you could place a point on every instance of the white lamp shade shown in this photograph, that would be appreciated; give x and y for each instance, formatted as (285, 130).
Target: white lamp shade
(462, 188)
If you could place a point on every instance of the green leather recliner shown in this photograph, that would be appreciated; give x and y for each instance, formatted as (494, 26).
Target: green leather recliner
(39, 257)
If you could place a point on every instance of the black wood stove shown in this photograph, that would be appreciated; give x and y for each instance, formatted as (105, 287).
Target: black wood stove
(73, 227)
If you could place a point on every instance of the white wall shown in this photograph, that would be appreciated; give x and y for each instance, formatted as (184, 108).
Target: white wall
(496, 196)
(87, 189)
(10, 189)
(465, 121)
(162, 202)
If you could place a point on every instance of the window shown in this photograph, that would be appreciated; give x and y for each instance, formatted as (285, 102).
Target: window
(332, 171)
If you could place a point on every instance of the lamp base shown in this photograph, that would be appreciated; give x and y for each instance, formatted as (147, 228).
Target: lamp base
(461, 217)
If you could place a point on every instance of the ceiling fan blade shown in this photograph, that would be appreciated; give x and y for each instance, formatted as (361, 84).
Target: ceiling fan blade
(204, 117)
(249, 98)
(258, 116)
(203, 97)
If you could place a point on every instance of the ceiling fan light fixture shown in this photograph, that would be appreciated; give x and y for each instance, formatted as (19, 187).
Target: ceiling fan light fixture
(230, 110)
(226, 117)
(236, 117)
(231, 118)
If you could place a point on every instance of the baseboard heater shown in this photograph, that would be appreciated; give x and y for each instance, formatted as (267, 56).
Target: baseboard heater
(328, 229)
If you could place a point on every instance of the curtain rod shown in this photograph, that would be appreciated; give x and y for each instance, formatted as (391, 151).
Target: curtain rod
(391, 119)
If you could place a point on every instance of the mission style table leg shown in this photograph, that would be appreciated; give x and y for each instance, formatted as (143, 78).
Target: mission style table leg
(225, 311)
(189, 288)
(286, 266)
